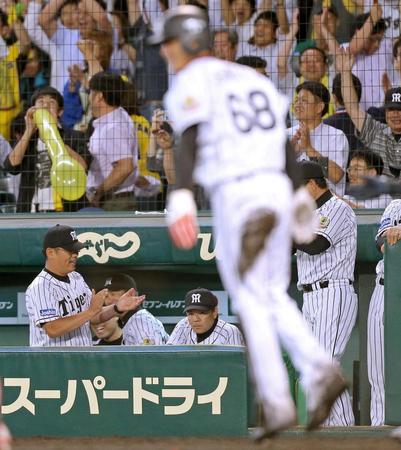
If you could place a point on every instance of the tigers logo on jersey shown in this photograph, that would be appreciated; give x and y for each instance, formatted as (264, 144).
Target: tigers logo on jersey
(148, 341)
(324, 221)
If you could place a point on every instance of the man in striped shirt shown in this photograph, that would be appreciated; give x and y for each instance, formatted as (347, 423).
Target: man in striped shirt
(139, 326)
(60, 304)
(202, 324)
(326, 275)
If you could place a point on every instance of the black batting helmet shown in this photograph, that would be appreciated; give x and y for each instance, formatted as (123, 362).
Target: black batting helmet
(187, 23)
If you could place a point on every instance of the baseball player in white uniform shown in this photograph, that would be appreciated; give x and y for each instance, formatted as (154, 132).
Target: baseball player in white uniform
(139, 326)
(326, 275)
(202, 324)
(230, 123)
(390, 230)
(60, 304)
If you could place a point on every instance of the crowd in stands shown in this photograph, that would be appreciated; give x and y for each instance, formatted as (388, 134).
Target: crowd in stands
(87, 62)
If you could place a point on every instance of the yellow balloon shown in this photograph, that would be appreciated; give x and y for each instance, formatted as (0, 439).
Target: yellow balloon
(67, 176)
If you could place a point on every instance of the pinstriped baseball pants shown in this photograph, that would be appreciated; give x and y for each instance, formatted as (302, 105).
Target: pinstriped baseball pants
(376, 354)
(331, 314)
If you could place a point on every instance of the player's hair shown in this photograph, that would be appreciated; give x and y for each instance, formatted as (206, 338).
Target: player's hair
(372, 160)
(110, 85)
(252, 61)
(232, 35)
(318, 90)
(337, 88)
(313, 47)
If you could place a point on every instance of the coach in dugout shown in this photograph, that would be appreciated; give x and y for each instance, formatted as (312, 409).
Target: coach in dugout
(326, 275)
(60, 304)
(202, 324)
(139, 326)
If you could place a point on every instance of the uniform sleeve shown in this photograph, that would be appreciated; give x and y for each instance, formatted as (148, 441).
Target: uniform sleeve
(390, 217)
(143, 330)
(180, 334)
(187, 106)
(40, 304)
(335, 223)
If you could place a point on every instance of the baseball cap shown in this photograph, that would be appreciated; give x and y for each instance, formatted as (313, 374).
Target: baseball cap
(392, 99)
(120, 282)
(62, 236)
(200, 299)
(311, 170)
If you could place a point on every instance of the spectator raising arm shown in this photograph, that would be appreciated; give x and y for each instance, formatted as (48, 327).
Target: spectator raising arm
(362, 35)
(287, 44)
(344, 63)
(99, 15)
(282, 18)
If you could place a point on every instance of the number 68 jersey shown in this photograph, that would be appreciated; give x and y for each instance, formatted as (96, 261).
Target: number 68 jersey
(241, 118)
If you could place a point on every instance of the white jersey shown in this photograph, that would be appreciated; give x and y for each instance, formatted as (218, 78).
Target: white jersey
(223, 334)
(143, 328)
(241, 118)
(331, 143)
(338, 225)
(391, 218)
(50, 298)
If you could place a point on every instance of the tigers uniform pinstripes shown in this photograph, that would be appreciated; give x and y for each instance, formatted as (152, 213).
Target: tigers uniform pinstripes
(390, 218)
(50, 297)
(143, 328)
(331, 310)
(223, 334)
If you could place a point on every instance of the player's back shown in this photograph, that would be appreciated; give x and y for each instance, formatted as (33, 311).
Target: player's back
(241, 118)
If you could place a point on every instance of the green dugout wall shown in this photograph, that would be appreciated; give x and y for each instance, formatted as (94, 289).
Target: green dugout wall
(139, 245)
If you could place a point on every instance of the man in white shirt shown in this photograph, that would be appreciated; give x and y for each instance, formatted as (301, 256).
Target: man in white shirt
(313, 140)
(113, 146)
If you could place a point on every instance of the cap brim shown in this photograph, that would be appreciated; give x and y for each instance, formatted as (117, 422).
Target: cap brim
(75, 247)
(392, 106)
(198, 308)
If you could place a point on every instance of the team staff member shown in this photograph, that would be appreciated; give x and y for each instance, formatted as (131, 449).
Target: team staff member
(202, 324)
(326, 274)
(139, 326)
(390, 231)
(232, 141)
(60, 304)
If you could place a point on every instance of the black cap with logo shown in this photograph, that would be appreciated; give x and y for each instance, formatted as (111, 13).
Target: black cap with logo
(200, 299)
(64, 237)
(392, 99)
(120, 282)
(311, 170)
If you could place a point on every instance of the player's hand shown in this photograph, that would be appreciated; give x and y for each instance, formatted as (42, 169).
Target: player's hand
(98, 301)
(181, 219)
(129, 301)
(305, 220)
(393, 235)
(5, 437)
